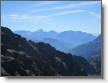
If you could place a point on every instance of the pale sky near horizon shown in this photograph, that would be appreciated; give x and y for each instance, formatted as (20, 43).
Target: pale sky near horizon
(52, 15)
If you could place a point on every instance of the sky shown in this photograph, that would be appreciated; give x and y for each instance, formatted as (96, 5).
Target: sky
(52, 15)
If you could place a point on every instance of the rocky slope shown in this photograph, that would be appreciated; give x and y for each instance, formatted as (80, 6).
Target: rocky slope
(20, 57)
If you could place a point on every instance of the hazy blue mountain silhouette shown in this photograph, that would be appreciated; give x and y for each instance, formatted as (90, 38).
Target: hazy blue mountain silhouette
(59, 45)
(88, 49)
(63, 41)
(91, 51)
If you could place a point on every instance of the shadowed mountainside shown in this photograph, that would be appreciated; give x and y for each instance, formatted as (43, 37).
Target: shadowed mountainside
(26, 58)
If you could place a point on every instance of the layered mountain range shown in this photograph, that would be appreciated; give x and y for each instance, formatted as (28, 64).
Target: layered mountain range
(63, 41)
(23, 57)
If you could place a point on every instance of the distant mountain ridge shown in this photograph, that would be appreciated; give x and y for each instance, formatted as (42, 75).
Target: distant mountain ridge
(68, 39)
(92, 51)
(88, 49)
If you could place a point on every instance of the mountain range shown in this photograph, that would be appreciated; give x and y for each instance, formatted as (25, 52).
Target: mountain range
(63, 41)
(23, 57)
